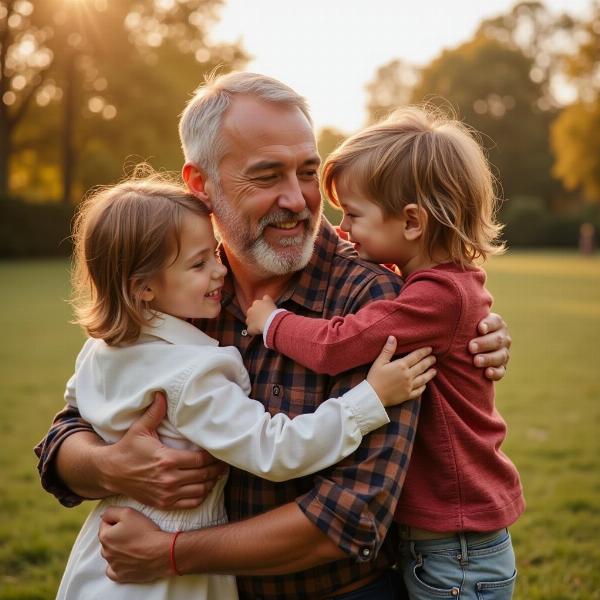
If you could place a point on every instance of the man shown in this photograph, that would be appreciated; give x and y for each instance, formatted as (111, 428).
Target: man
(251, 157)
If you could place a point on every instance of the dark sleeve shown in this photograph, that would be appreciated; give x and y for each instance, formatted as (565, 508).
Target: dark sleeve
(66, 422)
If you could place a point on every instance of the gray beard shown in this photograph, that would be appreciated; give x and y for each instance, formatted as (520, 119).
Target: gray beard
(292, 253)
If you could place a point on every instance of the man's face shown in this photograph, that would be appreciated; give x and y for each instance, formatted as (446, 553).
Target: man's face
(267, 207)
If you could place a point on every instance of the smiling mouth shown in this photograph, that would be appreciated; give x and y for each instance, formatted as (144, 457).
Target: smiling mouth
(285, 224)
(213, 293)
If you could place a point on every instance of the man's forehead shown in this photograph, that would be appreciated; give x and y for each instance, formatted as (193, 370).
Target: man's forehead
(259, 123)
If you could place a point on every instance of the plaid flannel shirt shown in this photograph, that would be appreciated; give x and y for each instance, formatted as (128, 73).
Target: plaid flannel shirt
(353, 502)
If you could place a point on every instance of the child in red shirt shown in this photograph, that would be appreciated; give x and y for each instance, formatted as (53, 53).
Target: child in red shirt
(417, 191)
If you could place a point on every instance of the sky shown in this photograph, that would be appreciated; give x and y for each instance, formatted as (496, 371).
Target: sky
(328, 50)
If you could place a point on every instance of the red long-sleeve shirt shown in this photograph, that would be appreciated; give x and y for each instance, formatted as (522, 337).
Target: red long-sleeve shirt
(458, 478)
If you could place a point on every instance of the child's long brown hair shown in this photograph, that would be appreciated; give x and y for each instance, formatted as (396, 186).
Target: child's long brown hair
(124, 235)
(420, 156)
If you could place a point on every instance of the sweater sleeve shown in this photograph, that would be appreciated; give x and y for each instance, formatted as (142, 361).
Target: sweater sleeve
(426, 313)
(213, 410)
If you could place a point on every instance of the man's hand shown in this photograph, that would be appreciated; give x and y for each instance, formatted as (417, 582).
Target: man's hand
(134, 547)
(491, 350)
(258, 313)
(402, 379)
(141, 467)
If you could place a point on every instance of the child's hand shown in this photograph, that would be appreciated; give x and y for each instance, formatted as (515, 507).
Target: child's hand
(402, 379)
(258, 313)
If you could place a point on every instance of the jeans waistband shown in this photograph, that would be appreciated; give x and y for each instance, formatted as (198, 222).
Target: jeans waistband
(415, 534)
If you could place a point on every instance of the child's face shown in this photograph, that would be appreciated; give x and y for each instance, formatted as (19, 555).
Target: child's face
(376, 237)
(191, 286)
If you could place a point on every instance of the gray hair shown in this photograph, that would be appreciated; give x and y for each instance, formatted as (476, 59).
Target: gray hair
(200, 123)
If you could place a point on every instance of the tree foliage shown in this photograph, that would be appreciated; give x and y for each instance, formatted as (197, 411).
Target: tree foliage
(576, 131)
(96, 81)
(328, 140)
(508, 83)
(542, 36)
(391, 87)
(488, 83)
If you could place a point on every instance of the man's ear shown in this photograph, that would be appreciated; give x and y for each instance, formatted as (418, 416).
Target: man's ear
(416, 221)
(197, 180)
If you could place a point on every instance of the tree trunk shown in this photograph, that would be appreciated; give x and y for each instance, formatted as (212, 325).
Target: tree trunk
(5, 149)
(68, 130)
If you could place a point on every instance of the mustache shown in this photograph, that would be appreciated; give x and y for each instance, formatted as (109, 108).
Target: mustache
(282, 216)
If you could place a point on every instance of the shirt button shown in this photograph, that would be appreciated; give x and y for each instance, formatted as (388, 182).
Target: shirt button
(276, 390)
(365, 552)
(244, 332)
(455, 591)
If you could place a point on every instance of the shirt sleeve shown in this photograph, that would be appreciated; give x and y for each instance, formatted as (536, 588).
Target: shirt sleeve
(214, 412)
(354, 502)
(67, 422)
(426, 313)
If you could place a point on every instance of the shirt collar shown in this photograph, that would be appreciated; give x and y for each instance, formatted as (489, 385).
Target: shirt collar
(177, 331)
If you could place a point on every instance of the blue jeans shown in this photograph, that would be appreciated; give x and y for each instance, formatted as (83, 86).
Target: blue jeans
(468, 567)
(387, 587)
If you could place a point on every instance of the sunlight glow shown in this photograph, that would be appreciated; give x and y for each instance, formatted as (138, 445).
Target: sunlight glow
(164, 4)
(23, 7)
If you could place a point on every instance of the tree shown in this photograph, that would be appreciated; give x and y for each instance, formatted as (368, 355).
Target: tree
(576, 131)
(86, 58)
(542, 36)
(329, 140)
(391, 87)
(489, 85)
(576, 144)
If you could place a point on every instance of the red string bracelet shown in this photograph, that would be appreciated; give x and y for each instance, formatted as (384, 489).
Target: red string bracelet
(172, 554)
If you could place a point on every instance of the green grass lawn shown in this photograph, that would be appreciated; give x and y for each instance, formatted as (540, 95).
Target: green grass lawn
(550, 398)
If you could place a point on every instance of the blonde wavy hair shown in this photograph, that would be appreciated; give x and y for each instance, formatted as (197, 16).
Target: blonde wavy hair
(124, 235)
(418, 155)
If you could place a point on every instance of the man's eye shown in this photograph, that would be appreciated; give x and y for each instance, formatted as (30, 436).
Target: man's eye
(311, 173)
(266, 178)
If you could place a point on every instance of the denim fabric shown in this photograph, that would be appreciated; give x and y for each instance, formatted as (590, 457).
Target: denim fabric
(468, 567)
(387, 587)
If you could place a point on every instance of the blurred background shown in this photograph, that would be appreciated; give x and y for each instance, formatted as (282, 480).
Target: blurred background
(89, 88)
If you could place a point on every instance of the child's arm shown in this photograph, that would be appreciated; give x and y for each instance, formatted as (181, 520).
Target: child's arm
(426, 313)
(213, 410)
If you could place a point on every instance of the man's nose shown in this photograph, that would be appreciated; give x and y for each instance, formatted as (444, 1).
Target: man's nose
(292, 197)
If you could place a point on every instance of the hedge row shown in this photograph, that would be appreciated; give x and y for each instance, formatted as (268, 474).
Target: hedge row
(34, 230)
(43, 230)
(527, 223)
